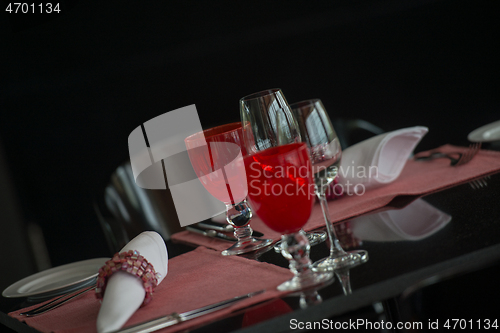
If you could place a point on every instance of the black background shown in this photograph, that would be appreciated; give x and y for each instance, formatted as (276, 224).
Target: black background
(74, 85)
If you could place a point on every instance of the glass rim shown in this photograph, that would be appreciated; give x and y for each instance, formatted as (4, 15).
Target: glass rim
(233, 127)
(290, 146)
(259, 94)
(306, 102)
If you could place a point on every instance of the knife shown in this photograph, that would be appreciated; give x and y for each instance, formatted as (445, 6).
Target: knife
(174, 318)
(211, 233)
(211, 225)
(222, 227)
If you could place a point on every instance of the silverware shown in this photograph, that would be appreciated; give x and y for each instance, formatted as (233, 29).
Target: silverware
(211, 225)
(174, 318)
(211, 233)
(476, 184)
(55, 303)
(456, 158)
(222, 227)
(314, 238)
(469, 154)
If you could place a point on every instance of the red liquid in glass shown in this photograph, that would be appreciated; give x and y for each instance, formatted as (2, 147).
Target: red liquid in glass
(281, 187)
(216, 156)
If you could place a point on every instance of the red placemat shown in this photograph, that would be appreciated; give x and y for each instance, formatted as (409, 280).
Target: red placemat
(418, 178)
(195, 279)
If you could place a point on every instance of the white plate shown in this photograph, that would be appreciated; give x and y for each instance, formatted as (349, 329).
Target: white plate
(486, 133)
(57, 280)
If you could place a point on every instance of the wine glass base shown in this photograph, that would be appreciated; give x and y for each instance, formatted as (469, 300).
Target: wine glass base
(352, 259)
(246, 246)
(300, 283)
(314, 238)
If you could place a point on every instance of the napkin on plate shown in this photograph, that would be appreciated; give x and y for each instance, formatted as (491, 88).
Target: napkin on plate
(378, 160)
(124, 292)
(416, 221)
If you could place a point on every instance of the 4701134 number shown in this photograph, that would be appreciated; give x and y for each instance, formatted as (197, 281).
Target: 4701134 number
(462, 324)
(32, 8)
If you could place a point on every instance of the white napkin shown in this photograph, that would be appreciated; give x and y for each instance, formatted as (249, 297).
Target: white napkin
(221, 218)
(124, 292)
(416, 221)
(378, 160)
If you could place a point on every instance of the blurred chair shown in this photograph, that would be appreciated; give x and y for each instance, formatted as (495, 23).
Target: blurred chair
(19, 258)
(125, 210)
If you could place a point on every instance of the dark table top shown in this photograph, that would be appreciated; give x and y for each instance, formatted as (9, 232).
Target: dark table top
(448, 274)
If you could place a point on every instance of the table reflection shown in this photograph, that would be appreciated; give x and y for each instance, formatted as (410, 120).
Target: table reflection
(414, 222)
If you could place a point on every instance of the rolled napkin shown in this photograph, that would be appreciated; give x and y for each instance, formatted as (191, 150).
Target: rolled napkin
(416, 221)
(378, 160)
(125, 292)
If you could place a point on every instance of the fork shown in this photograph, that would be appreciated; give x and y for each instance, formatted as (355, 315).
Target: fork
(55, 303)
(463, 158)
(469, 154)
(476, 184)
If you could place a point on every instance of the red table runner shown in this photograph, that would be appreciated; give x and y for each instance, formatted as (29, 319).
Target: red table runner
(195, 279)
(418, 178)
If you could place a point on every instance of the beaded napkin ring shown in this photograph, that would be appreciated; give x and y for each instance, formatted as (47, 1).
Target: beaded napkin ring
(131, 262)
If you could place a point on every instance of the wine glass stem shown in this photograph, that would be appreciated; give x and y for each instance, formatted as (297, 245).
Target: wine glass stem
(309, 298)
(295, 248)
(239, 217)
(343, 276)
(336, 249)
(243, 233)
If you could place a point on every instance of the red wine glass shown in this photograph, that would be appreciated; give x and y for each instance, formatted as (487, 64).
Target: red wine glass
(216, 155)
(281, 191)
(268, 122)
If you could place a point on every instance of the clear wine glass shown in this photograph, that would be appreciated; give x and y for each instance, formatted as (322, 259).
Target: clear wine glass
(216, 155)
(281, 191)
(318, 133)
(268, 122)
